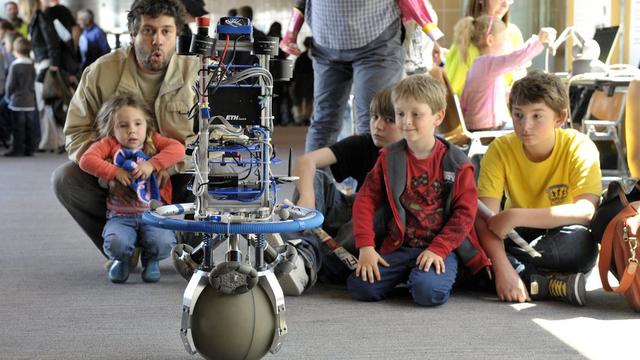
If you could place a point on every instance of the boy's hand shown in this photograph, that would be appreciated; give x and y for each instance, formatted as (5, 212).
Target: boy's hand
(122, 176)
(162, 176)
(143, 170)
(509, 286)
(368, 261)
(502, 223)
(428, 258)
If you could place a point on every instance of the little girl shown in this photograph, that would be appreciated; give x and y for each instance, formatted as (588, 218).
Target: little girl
(484, 97)
(129, 140)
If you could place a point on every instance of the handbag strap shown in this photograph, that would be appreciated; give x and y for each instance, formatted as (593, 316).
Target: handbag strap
(620, 190)
(606, 252)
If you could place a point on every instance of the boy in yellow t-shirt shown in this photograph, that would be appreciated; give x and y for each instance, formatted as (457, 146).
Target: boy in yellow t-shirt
(551, 179)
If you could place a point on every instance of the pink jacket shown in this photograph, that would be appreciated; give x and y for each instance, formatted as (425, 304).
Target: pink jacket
(484, 98)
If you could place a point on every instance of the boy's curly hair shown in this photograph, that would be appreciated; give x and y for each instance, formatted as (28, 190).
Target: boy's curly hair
(539, 87)
(155, 8)
(424, 89)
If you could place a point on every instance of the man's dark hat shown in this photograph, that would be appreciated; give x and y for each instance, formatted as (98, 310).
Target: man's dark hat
(195, 7)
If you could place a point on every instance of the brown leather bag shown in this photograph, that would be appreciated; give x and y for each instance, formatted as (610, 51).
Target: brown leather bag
(619, 252)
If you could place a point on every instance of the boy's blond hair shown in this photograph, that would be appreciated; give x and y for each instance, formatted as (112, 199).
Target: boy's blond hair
(539, 87)
(424, 89)
(382, 105)
(22, 46)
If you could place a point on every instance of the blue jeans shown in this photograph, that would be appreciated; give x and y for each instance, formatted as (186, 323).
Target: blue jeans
(123, 233)
(426, 288)
(370, 68)
(336, 208)
(85, 200)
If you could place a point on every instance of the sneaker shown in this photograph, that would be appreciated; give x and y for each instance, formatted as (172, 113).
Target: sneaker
(119, 271)
(569, 288)
(274, 240)
(291, 273)
(151, 273)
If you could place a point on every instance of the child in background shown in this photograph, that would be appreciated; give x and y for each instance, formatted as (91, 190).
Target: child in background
(429, 187)
(125, 126)
(484, 97)
(20, 96)
(552, 183)
(5, 121)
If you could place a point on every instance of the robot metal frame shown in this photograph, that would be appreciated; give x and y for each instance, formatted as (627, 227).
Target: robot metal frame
(235, 199)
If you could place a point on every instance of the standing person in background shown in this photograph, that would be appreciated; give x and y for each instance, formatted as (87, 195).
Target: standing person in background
(356, 42)
(461, 54)
(21, 100)
(93, 40)
(47, 56)
(195, 8)
(69, 33)
(281, 100)
(302, 86)
(5, 28)
(247, 12)
(5, 61)
(55, 10)
(11, 12)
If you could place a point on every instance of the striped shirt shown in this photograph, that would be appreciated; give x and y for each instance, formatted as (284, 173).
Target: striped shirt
(349, 24)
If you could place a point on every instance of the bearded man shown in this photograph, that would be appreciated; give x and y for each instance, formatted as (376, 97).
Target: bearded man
(149, 68)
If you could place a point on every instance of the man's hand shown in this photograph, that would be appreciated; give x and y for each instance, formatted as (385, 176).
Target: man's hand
(428, 258)
(509, 286)
(368, 261)
(123, 177)
(121, 192)
(143, 170)
(162, 176)
(502, 223)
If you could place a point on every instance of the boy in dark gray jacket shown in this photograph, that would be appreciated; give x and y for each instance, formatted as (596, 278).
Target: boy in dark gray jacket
(21, 97)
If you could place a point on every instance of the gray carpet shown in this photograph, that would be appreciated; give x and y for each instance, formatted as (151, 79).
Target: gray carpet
(56, 302)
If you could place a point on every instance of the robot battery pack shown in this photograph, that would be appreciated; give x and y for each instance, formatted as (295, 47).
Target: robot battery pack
(239, 105)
